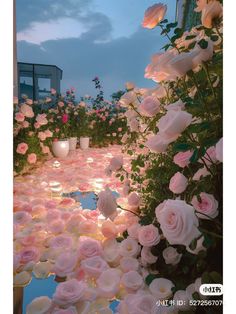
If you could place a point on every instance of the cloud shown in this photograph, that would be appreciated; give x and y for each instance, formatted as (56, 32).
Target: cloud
(29, 11)
(115, 62)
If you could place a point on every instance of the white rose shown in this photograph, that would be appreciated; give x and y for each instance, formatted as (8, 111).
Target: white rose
(161, 288)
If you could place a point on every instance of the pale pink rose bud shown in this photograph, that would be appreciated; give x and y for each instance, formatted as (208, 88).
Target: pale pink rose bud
(107, 203)
(116, 163)
(207, 205)
(182, 158)
(178, 222)
(69, 292)
(132, 281)
(174, 122)
(176, 106)
(154, 15)
(149, 107)
(178, 183)
(127, 99)
(32, 158)
(20, 117)
(133, 124)
(210, 156)
(171, 256)
(134, 200)
(148, 235)
(158, 143)
(147, 257)
(219, 150)
(42, 136)
(161, 288)
(210, 11)
(29, 101)
(22, 148)
(201, 173)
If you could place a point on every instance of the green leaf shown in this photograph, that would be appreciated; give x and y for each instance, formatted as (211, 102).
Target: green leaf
(199, 127)
(182, 147)
(203, 43)
(206, 278)
(150, 278)
(214, 37)
(190, 37)
(192, 45)
(193, 244)
(207, 241)
(172, 25)
(216, 277)
(194, 156)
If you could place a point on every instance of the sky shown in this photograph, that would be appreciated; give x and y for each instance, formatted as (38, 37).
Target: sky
(88, 38)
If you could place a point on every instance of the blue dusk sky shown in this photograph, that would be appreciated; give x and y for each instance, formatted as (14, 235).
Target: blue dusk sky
(88, 38)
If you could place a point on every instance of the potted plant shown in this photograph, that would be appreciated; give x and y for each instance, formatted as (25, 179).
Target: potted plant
(60, 145)
(83, 127)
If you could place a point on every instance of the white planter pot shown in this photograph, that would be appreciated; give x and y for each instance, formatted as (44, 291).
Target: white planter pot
(72, 143)
(84, 142)
(60, 148)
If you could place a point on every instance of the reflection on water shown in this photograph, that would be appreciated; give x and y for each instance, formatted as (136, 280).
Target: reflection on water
(46, 287)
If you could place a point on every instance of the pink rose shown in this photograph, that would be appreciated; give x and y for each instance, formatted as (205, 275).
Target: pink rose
(42, 136)
(132, 281)
(89, 247)
(107, 203)
(133, 200)
(210, 11)
(61, 241)
(57, 226)
(154, 15)
(27, 111)
(219, 150)
(65, 264)
(207, 205)
(128, 264)
(22, 217)
(29, 102)
(116, 163)
(69, 292)
(32, 158)
(210, 156)
(48, 133)
(149, 107)
(178, 222)
(174, 123)
(36, 125)
(148, 235)
(178, 183)
(41, 119)
(129, 247)
(133, 230)
(25, 124)
(109, 229)
(182, 158)
(22, 148)
(20, 117)
(108, 283)
(94, 266)
(29, 254)
(65, 118)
